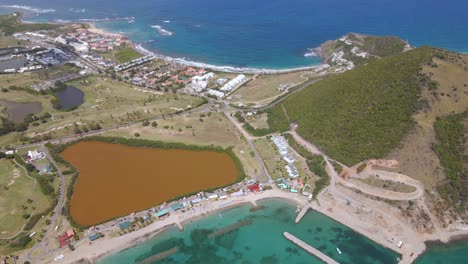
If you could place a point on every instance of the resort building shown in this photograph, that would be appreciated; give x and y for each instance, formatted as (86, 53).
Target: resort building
(233, 84)
(199, 83)
(292, 171)
(288, 158)
(281, 144)
(215, 93)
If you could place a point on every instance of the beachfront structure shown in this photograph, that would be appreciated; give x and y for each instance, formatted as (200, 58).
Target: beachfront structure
(233, 84)
(281, 144)
(125, 225)
(162, 213)
(177, 206)
(215, 93)
(94, 236)
(199, 83)
(34, 155)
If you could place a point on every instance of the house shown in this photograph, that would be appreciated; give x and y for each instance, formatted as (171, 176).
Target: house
(254, 188)
(34, 155)
(65, 238)
(213, 196)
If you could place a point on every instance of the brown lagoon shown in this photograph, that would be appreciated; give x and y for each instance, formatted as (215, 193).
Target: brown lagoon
(116, 180)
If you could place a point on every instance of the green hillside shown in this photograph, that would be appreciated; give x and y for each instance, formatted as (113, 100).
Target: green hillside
(359, 114)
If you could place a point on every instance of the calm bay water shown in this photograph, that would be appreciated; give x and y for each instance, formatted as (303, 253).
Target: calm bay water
(260, 242)
(261, 33)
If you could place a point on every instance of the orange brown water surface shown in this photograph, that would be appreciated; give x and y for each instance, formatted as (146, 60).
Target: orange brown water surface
(116, 180)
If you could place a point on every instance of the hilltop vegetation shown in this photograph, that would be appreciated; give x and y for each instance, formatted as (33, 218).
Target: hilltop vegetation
(11, 23)
(360, 114)
(374, 46)
(450, 150)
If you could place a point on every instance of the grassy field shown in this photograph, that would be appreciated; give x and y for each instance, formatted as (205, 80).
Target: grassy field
(15, 191)
(273, 161)
(214, 130)
(360, 114)
(107, 103)
(6, 42)
(265, 87)
(11, 23)
(122, 54)
(259, 121)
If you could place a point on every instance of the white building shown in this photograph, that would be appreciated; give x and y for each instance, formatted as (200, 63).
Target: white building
(215, 93)
(281, 144)
(288, 158)
(34, 155)
(79, 46)
(292, 171)
(60, 39)
(233, 84)
(199, 83)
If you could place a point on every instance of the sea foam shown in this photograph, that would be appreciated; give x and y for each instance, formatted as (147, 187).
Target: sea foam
(162, 31)
(29, 8)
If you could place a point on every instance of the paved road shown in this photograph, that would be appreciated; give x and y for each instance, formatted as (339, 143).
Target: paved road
(264, 173)
(42, 246)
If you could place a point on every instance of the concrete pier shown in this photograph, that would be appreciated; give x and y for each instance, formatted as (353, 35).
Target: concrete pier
(180, 226)
(302, 213)
(309, 249)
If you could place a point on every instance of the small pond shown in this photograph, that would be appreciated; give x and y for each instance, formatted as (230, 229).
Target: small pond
(70, 97)
(18, 111)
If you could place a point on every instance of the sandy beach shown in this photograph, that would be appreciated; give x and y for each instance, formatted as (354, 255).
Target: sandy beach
(330, 206)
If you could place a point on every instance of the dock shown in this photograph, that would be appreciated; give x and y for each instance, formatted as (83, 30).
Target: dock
(309, 248)
(302, 213)
(159, 256)
(180, 226)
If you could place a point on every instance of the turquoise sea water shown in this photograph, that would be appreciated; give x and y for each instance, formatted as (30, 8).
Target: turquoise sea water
(260, 242)
(260, 33)
(454, 253)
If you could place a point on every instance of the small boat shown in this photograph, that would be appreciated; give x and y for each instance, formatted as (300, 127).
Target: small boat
(339, 251)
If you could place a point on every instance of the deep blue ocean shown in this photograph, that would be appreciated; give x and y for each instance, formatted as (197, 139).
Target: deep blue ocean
(260, 33)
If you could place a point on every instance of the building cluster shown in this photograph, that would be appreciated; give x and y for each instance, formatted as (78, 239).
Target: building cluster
(83, 40)
(283, 149)
(160, 74)
(20, 60)
(133, 63)
(342, 63)
(358, 52)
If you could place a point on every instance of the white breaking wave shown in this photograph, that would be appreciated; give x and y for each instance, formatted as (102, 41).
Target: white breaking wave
(310, 53)
(62, 21)
(77, 10)
(106, 19)
(29, 8)
(230, 69)
(162, 31)
(167, 21)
